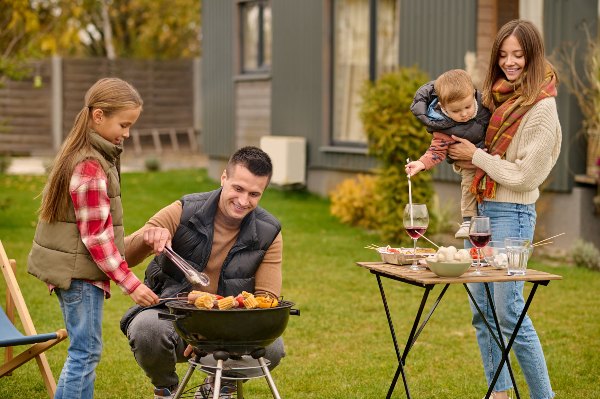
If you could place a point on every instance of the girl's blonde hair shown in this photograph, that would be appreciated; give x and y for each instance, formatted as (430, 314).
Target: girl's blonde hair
(530, 81)
(110, 95)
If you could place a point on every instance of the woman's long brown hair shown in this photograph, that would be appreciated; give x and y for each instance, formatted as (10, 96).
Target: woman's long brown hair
(110, 95)
(530, 81)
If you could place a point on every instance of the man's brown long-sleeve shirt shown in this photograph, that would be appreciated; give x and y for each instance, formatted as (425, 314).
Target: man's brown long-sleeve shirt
(268, 276)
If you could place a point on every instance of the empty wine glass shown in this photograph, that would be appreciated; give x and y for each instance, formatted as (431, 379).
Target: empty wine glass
(480, 234)
(416, 220)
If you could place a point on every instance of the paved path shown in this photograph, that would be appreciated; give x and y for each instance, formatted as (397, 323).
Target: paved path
(37, 165)
(27, 166)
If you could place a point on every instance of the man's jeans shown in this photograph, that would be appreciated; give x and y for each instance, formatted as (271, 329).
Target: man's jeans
(82, 305)
(510, 220)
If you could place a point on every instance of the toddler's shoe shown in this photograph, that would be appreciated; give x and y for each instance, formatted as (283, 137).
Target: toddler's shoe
(463, 231)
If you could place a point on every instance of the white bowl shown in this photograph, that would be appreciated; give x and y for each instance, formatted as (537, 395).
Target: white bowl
(448, 269)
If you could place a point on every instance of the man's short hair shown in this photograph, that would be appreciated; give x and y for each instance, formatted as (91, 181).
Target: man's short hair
(254, 159)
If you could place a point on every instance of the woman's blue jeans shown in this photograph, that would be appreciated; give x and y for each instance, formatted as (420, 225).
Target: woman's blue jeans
(82, 305)
(509, 220)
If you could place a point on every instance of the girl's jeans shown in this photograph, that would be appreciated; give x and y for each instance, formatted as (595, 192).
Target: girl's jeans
(81, 306)
(510, 220)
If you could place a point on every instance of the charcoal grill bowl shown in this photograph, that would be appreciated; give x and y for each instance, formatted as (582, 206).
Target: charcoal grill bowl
(237, 331)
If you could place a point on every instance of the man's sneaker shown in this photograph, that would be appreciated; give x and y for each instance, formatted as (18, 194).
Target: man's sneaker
(165, 393)
(205, 391)
(463, 231)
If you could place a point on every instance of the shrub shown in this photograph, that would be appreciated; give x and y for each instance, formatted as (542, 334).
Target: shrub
(585, 254)
(152, 164)
(354, 203)
(5, 161)
(394, 135)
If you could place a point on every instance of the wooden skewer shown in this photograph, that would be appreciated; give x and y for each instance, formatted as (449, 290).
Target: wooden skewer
(538, 244)
(178, 297)
(546, 239)
(437, 246)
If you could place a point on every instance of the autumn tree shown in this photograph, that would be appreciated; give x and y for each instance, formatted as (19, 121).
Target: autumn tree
(143, 29)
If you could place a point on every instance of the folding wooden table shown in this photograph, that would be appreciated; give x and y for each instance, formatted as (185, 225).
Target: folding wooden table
(428, 280)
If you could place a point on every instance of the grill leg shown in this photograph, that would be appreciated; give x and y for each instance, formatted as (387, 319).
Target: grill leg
(219, 356)
(270, 381)
(218, 373)
(186, 378)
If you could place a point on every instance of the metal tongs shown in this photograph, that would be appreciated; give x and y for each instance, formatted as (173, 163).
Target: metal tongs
(192, 275)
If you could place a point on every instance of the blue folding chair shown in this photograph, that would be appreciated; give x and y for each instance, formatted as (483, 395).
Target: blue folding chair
(10, 336)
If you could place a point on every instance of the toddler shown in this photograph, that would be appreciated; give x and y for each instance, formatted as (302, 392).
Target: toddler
(450, 105)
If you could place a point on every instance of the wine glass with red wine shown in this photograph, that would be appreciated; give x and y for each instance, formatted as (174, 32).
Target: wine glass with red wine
(416, 220)
(480, 234)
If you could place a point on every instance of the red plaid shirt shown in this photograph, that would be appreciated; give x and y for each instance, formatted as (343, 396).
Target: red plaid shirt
(88, 190)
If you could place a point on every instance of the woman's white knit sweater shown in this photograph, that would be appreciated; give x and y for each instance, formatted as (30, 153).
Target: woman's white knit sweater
(529, 158)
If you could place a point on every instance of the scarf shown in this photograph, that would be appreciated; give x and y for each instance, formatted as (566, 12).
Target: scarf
(504, 124)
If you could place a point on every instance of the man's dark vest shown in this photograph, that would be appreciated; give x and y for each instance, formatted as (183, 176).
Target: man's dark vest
(193, 241)
(58, 254)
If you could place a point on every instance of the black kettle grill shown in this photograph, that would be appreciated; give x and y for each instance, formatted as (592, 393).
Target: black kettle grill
(230, 333)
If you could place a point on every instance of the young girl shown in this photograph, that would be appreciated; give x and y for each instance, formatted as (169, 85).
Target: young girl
(79, 242)
(523, 141)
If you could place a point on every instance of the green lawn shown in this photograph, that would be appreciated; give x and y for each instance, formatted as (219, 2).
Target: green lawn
(340, 346)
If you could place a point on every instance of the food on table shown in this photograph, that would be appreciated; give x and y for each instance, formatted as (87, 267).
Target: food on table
(451, 254)
(474, 253)
(406, 251)
(402, 256)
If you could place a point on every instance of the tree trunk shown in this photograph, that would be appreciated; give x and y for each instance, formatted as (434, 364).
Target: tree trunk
(107, 30)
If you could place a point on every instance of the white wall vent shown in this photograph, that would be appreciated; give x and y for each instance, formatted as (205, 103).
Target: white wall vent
(288, 154)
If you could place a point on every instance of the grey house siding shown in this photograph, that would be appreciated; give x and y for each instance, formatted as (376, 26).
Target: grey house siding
(299, 79)
(218, 110)
(435, 35)
(573, 153)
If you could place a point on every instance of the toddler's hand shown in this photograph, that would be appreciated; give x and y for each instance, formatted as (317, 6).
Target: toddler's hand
(144, 296)
(414, 167)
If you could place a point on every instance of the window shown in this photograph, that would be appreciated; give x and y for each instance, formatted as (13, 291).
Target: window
(354, 60)
(255, 36)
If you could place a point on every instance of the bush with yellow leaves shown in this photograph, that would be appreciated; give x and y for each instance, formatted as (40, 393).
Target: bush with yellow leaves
(353, 202)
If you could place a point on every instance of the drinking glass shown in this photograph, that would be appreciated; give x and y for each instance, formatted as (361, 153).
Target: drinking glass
(416, 220)
(479, 235)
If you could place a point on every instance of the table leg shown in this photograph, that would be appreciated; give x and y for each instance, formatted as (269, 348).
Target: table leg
(400, 368)
(414, 333)
(502, 346)
(498, 339)
(506, 352)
